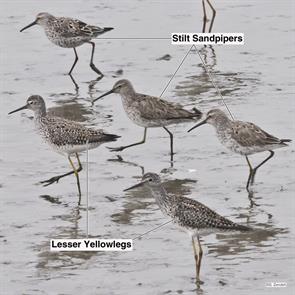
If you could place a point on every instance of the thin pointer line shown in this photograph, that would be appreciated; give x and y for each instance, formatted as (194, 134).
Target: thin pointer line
(176, 70)
(153, 229)
(214, 84)
(87, 191)
(134, 38)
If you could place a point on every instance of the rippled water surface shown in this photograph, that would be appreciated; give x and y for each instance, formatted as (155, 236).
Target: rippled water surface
(257, 81)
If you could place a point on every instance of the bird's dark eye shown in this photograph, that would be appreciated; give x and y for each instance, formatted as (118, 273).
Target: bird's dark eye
(150, 180)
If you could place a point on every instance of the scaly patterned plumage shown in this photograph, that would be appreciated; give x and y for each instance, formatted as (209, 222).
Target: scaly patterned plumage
(241, 137)
(193, 215)
(65, 136)
(69, 33)
(69, 137)
(189, 214)
(244, 138)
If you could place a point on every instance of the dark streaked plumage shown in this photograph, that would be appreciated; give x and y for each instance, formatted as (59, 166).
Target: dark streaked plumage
(191, 215)
(64, 136)
(69, 33)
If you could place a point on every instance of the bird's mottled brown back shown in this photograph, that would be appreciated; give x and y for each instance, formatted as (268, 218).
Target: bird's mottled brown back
(154, 108)
(248, 134)
(59, 131)
(191, 214)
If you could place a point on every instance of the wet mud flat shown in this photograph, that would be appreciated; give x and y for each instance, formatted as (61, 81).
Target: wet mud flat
(255, 79)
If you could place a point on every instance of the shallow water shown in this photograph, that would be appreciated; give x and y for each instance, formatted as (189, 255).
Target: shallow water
(257, 81)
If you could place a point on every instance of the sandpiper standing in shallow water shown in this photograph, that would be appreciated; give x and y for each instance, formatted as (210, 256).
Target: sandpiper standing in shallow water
(64, 136)
(190, 215)
(244, 138)
(150, 111)
(69, 33)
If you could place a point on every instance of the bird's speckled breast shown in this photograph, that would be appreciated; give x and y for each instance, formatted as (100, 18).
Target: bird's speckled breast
(66, 42)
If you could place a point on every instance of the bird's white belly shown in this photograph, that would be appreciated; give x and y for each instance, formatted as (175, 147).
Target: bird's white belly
(65, 42)
(72, 149)
(226, 139)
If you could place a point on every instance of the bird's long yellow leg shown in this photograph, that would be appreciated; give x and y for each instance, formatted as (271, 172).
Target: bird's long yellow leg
(198, 253)
(76, 172)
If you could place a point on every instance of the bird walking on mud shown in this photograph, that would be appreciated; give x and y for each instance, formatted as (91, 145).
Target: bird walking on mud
(149, 111)
(69, 33)
(243, 138)
(64, 136)
(190, 215)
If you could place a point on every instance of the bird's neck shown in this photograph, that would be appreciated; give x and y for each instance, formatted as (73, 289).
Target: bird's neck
(128, 96)
(222, 124)
(161, 196)
(40, 113)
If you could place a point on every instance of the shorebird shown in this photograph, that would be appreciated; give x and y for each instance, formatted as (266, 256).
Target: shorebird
(64, 136)
(149, 111)
(69, 33)
(244, 138)
(205, 19)
(192, 216)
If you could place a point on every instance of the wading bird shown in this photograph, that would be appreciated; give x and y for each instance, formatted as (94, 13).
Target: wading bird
(243, 138)
(150, 111)
(64, 136)
(69, 33)
(190, 215)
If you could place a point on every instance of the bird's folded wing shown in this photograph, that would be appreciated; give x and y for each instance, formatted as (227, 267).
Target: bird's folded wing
(199, 216)
(77, 28)
(249, 134)
(63, 132)
(154, 108)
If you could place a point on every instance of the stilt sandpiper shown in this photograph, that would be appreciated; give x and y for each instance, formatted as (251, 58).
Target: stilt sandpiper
(69, 33)
(150, 111)
(244, 138)
(64, 136)
(190, 215)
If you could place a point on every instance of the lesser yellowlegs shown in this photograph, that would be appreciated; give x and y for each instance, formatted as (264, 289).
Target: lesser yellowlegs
(69, 33)
(150, 111)
(244, 138)
(64, 136)
(190, 215)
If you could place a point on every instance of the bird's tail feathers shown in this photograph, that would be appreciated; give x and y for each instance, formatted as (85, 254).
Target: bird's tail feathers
(285, 140)
(110, 137)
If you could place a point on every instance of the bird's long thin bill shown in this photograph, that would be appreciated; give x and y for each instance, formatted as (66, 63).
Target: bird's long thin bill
(198, 125)
(135, 186)
(28, 26)
(103, 95)
(19, 109)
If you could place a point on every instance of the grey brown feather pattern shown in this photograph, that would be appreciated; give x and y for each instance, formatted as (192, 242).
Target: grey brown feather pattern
(249, 134)
(193, 214)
